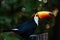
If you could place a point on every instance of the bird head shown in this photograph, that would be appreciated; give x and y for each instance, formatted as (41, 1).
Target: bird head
(43, 15)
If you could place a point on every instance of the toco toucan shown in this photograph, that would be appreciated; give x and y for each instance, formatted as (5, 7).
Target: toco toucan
(27, 28)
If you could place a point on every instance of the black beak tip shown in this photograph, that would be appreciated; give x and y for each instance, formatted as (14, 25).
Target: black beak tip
(51, 14)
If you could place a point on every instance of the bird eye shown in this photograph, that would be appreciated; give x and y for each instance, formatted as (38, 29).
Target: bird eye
(36, 15)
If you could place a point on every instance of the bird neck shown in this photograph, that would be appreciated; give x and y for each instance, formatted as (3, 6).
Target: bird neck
(36, 20)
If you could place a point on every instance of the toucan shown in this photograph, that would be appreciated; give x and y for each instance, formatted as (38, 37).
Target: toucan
(27, 28)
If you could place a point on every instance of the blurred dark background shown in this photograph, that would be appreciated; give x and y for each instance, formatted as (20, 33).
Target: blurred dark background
(14, 12)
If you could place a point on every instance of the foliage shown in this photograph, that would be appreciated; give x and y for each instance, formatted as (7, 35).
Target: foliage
(9, 36)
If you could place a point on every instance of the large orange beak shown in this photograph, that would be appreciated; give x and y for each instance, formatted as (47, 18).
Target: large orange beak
(44, 14)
